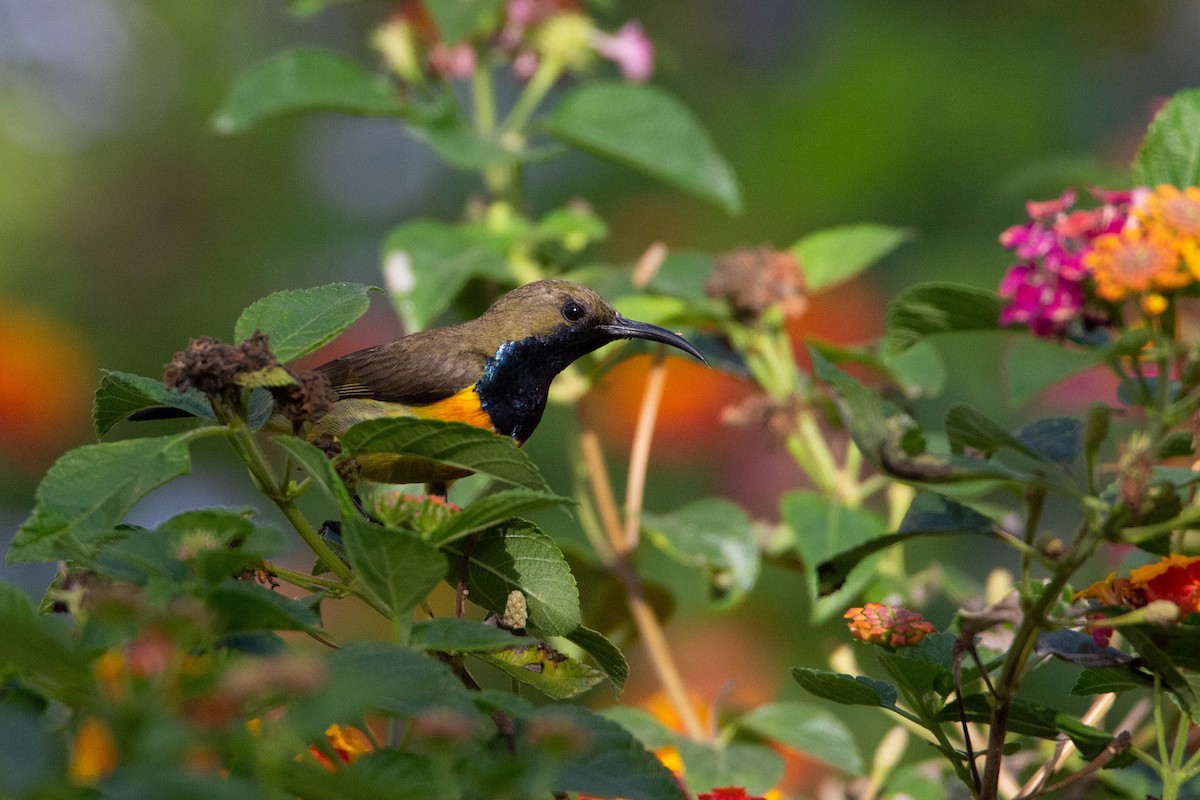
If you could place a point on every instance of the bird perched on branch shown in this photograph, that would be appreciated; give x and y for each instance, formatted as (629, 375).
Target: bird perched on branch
(493, 372)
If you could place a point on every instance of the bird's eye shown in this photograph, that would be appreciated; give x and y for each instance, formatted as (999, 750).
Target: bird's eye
(572, 311)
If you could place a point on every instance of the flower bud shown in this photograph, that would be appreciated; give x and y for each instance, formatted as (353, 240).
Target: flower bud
(566, 40)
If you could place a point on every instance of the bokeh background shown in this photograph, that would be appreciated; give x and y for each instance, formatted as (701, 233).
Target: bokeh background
(127, 225)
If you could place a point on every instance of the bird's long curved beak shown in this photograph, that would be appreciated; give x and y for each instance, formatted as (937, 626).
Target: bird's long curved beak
(622, 328)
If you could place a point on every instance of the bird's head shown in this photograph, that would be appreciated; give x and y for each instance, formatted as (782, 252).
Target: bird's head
(573, 319)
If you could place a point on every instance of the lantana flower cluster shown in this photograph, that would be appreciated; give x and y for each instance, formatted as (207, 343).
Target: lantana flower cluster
(1142, 244)
(1173, 578)
(879, 623)
(530, 32)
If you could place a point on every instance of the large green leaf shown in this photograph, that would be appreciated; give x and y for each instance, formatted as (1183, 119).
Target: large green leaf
(90, 489)
(927, 309)
(429, 262)
(846, 689)
(713, 535)
(822, 529)
(1031, 720)
(304, 80)
(647, 129)
(493, 509)
(832, 256)
(38, 647)
(399, 568)
(244, 606)
(552, 673)
(299, 321)
(452, 443)
(456, 635)
(1109, 679)
(614, 765)
(321, 469)
(808, 729)
(121, 394)
(606, 654)
(519, 557)
(967, 427)
(1170, 153)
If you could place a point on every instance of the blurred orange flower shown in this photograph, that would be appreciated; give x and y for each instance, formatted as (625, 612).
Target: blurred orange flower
(348, 743)
(94, 753)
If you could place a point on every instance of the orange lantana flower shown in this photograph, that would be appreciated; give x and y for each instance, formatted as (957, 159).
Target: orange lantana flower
(879, 623)
(1135, 260)
(1173, 578)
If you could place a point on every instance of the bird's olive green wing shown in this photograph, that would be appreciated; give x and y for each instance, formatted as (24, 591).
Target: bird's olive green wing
(418, 369)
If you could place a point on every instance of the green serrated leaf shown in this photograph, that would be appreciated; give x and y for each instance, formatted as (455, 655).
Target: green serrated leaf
(493, 509)
(1033, 365)
(90, 489)
(832, 256)
(615, 765)
(807, 729)
(642, 724)
(321, 469)
(299, 321)
(606, 655)
(552, 673)
(1109, 679)
(927, 309)
(1170, 153)
(244, 606)
(456, 635)
(821, 529)
(399, 568)
(121, 394)
(929, 514)
(452, 443)
(846, 689)
(39, 647)
(519, 557)
(304, 80)
(967, 427)
(429, 262)
(1161, 663)
(650, 130)
(715, 536)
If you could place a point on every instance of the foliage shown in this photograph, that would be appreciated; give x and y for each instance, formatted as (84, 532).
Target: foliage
(169, 661)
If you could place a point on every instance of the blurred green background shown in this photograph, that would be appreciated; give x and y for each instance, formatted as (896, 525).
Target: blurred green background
(127, 225)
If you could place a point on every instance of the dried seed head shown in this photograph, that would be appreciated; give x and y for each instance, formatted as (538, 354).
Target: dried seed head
(752, 280)
(307, 400)
(213, 368)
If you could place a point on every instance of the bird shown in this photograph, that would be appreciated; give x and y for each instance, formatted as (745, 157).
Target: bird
(492, 372)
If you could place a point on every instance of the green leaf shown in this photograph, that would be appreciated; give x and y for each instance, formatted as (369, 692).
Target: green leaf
(38, 647)
(1170, 153)
(932, 308)
(399, 568)
(553, 673)
(90, 489)
(807, 729)
(492, 509)
(458, 19)
(715, 536)
(917, 677)
(244, 606)
(452, 443)
(967, 427)
(929, 514)
(1033, 365)
(832, 256)
(304, 80)
(396, 775)
(321, 469)
(846, 689)
(1032, 720)
(1108, 679)
(519, 557)
(708, 766)
(1056, 439)
(682, 274)
(299, 321)
(650, 130)
(455, 635)
(821, 529)
(1162, 664)
(121, 394)
(28, 756)
(642, 724)
(614, 765)
(429, 262)
(606, 655)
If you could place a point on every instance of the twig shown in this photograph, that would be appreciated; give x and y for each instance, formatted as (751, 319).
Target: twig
(1095, 714)
(639, 456)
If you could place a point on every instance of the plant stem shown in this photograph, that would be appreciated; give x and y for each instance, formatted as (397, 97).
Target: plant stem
(622, 567)
(531, 97)
(639, 455)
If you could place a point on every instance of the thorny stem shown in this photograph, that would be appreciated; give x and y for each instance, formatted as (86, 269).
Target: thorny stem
(622, 567)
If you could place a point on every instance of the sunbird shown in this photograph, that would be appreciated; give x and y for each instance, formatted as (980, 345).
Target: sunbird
(493, 372)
